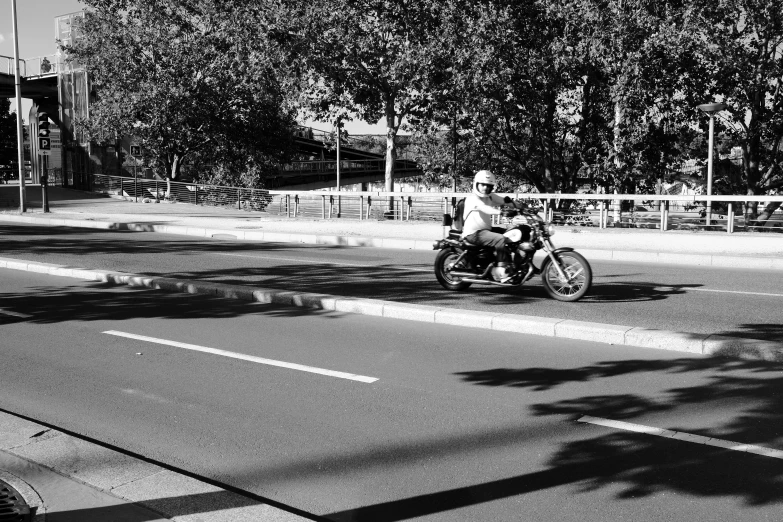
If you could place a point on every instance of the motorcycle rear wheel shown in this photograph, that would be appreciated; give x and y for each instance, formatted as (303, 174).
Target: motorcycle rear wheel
(442, 261)
(580, 277)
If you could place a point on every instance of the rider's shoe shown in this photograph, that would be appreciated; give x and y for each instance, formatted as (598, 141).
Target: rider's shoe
(501, 272)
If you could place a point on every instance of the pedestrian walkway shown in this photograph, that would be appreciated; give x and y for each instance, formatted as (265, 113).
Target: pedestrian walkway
(750, 250)
(68, 479)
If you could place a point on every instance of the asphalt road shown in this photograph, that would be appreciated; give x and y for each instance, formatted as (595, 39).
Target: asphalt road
(461, 424)
(734, 302)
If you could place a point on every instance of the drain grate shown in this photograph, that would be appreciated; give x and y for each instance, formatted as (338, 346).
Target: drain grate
(13, 508)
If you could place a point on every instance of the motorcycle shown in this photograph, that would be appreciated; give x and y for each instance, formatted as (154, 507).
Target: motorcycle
(566, 274)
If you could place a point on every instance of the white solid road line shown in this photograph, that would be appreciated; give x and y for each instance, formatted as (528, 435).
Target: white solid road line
(681, 435)
(244, 357)
(732, 292)
(276, 258)
(3, 311)
(667, 288)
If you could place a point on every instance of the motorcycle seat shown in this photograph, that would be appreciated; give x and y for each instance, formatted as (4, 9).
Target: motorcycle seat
(471, 246)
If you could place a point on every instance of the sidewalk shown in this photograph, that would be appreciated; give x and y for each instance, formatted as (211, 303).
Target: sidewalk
(76, 480)
(72, 480)
(73, 208)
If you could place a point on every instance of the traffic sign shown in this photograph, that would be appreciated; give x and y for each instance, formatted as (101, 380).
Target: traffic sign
(45, 152)
(44, 144)
(135, 150)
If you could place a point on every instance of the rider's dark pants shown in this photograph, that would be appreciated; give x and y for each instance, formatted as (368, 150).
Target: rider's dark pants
(492, 238)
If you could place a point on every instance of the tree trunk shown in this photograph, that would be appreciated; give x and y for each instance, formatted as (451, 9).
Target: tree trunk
(391, 151)
(767, 213)
(172, 172)
(617, 204)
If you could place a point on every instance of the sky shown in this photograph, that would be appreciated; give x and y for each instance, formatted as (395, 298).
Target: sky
(35, 22)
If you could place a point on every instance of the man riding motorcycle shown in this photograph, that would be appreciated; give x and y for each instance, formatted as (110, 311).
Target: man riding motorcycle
(477, 229)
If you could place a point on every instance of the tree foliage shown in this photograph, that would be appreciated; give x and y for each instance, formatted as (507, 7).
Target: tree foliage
(369, 58)
(8, 138)
(553, 95)
(184, 76)
(739, 46)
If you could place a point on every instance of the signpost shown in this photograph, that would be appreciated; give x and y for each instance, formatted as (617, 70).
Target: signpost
(44, 149)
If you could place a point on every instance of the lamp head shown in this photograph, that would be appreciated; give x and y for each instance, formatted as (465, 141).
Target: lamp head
(712, 108)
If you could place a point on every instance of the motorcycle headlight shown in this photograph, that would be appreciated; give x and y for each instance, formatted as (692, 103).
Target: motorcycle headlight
(550, 230)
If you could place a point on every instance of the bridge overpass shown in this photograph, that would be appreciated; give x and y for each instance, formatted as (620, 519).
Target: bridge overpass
(357, 164)
(40, 77)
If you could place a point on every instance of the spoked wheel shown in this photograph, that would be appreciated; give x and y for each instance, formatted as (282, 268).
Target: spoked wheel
(579, 277)
(443, 262)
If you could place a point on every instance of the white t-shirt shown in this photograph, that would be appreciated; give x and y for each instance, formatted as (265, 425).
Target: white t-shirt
(478, 211)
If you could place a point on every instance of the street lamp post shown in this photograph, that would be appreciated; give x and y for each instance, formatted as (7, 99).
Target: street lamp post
(711, 109)
(339, 203)
(19, 129)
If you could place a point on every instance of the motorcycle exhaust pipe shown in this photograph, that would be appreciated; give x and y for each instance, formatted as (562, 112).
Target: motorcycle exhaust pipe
(485, 282)
(462, 274)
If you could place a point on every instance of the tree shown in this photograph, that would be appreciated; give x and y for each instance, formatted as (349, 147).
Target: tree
(8, 138)
(185, 77)
(371, 58)
(740, 62)
(529, 97)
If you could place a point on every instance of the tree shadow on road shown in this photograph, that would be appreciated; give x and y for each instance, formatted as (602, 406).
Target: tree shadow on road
(646, 464)
(384, 281)
(639, 465)
(54, 304)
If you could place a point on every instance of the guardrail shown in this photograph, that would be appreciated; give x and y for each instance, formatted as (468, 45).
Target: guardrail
(43, 65)
(38, 66)
(7, 66)
(663, 212)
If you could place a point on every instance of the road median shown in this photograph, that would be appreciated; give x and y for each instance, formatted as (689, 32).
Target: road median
(689, 342)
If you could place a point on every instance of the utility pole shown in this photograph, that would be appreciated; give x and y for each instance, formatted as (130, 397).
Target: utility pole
(19, 127)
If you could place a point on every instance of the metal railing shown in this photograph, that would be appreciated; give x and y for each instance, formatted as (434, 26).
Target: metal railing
(7, 66)
(141, 189)
(38, 66)
(43, 65)
(662, 212)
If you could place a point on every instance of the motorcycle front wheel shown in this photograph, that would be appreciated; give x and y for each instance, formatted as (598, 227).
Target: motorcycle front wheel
(579, 277)
(445, 258)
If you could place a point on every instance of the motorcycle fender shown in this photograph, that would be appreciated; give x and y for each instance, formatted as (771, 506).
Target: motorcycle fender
(564, 249)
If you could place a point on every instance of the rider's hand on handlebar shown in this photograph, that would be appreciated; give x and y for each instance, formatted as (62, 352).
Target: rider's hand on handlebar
(508, 212)
(516, 203)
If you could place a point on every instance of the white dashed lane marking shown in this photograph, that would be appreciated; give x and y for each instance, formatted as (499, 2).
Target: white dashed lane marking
(245, 357)
(683, 436)
(3, 311)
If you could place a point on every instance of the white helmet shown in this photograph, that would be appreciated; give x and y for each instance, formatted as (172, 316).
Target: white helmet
(485, 177)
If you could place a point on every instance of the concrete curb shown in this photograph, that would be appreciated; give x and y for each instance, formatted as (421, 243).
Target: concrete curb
(710, 260)
(695, 343)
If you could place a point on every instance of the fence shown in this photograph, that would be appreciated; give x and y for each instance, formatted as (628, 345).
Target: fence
(663, 212)
(38, 66)
(193, 193)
